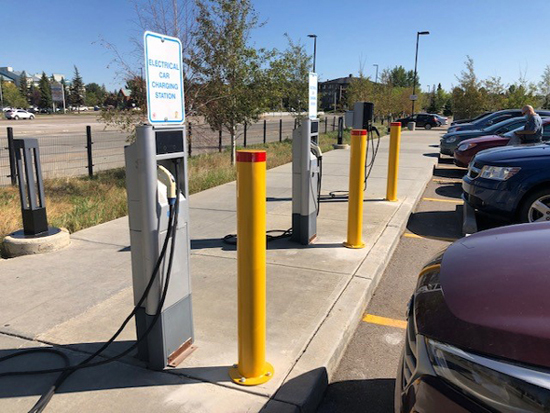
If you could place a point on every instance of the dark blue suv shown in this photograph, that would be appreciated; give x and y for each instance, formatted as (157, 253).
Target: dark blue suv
(511, 182)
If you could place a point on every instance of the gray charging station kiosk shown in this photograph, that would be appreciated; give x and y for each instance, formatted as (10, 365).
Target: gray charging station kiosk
(148, 211)
(305, 181)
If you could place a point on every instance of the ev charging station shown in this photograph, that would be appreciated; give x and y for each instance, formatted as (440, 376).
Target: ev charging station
(158, 208)
(306, 168)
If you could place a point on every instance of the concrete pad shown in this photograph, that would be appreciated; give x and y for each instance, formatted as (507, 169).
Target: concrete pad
(17, 245)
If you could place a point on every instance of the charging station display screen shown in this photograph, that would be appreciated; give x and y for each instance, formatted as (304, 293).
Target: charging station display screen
(314, 127)
(170, 141)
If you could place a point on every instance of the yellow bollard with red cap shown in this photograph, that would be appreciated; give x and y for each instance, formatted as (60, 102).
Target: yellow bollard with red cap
(252, 368)
(356, 182)
(393, 161)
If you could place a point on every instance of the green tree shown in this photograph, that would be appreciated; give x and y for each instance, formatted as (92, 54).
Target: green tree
(24, 86)
(34, 95)
(399, 77)
(230, 69)
(77, 90)
(544, 88)
(520, 94)
(288, 78)
(495, 93)
(45, 92)
(95, 94)
(12, 96)
(468, 99)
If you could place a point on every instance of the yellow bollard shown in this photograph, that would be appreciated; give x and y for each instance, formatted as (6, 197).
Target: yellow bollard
(393, 162)
(252, 368)
(356, 180)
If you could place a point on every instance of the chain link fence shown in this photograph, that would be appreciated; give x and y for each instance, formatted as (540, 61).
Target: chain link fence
(95, 149)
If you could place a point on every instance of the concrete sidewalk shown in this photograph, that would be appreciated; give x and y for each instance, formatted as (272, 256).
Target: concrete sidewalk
(76, 298)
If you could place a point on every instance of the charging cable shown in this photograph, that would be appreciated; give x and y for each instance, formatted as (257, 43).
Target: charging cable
(68, 370)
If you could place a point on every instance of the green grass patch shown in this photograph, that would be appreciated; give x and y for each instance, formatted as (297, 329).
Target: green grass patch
(80, 202)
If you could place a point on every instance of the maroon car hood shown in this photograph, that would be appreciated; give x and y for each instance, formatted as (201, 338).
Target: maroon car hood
(486, 139)
(497, 284)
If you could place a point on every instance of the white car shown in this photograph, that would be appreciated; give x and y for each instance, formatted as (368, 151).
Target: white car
(18, 114)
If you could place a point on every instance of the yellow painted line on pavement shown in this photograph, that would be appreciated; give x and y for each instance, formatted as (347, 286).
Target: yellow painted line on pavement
(411, 235)
(452, 201)
(384, 321)
(444, 166)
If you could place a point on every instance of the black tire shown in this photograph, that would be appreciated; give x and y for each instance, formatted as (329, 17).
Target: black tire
(527, 212)
(31, 117)
(427, 126)
(16, 117)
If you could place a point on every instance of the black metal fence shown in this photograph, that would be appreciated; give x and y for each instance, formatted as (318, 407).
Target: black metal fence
(96, 149)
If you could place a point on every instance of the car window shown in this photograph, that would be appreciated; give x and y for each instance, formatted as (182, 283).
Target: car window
(546, 132)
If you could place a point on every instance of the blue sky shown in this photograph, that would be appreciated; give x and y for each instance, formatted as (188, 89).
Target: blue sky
(504, 37)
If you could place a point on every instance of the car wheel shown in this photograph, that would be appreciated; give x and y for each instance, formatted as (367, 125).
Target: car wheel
(16, 117)
(427, 126)
(31, 117)
(536, 207)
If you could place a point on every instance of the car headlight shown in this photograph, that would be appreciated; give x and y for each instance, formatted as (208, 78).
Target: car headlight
(503, 386)
(465, 146)
(451, 139)
(499, 173)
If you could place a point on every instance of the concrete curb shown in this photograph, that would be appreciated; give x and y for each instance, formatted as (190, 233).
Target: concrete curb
(304, 387)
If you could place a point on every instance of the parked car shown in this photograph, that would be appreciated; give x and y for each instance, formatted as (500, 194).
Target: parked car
(510, 183)
(17, 114)
(478, 334)
(478, 117)
(423, 120)
(470, 147)
(493, 118)
(443, 120)
(450, 141)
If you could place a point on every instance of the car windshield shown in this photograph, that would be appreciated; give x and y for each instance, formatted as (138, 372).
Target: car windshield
(502, 124)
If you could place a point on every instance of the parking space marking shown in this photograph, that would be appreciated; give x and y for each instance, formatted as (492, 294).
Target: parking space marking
(453, 167)
(453, 201)
(384, 321)
(411, 235)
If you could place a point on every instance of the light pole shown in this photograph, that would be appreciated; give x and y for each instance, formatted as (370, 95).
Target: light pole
(418, 34)
(376, 78)
(314, 36)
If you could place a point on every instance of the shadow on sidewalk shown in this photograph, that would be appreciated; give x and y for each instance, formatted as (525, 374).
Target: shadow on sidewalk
(128, 373)
(276, 244)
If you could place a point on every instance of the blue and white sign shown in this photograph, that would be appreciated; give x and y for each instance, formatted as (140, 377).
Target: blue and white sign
(312, 95)
(164, 79)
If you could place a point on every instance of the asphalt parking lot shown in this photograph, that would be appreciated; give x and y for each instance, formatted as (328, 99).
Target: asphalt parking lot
(365, 379)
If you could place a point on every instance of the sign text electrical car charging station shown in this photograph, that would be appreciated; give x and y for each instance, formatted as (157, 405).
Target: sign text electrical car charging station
(164, 79)
(312, 112)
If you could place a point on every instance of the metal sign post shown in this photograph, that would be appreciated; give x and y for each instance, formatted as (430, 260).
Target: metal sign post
(164, 79)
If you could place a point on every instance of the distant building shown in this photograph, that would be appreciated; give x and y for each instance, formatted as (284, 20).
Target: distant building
(333, 92)
(9, 75)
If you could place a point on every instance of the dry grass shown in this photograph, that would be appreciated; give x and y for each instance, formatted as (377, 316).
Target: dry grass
(81, 202)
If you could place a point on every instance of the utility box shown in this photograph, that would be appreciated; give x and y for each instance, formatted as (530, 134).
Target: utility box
(363, 115)
(148, 211)
(306, 158)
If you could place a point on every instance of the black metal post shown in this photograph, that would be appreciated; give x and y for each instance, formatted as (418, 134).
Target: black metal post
(415, 62)
(340, 130)
(11, 152)
(89, 144)
(265, 124)
(189, 139)
(333, 123)
(245, 128)
(220, 141)
(280, 130)
(326, 123)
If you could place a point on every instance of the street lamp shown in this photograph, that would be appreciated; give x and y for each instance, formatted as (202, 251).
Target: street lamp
(314, 36)
(418, 34)
(376, 78)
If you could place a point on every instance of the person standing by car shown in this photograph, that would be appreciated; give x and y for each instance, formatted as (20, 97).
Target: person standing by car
(532, 131)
